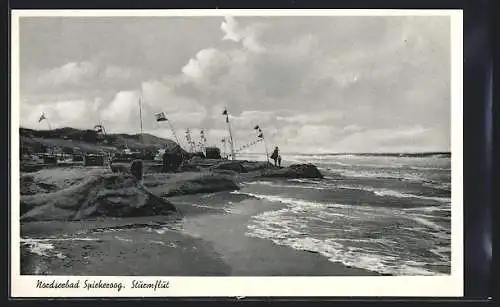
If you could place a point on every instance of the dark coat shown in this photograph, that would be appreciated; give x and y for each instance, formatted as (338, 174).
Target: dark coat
(275, 154)
(136, 168)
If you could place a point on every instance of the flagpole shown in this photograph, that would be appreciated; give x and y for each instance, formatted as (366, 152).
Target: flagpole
(173, 132)
(50, 128)
(140, 117)
(47, 119)
(230, 136)
(261, 135)
(265, 145)
(48, 123)
(224, 146)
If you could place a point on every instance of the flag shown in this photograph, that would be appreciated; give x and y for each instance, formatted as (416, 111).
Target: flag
(227, 117)
(160, 117)
(98, 128)
(42, 117)
(257, 127)
(261, 135)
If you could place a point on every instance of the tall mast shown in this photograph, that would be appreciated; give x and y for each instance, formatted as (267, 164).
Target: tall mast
(47, 120)
(224, 146)
(261, 136)
(172, 129)
(230, 134)
(140, 115)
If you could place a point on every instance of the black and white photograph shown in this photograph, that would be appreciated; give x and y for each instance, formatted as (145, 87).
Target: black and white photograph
(235, 145)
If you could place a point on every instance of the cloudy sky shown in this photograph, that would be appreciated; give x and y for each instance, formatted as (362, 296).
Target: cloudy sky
(314, 84)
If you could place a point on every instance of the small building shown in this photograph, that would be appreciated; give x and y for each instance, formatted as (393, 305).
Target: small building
(50, 159)
(78, 157)
(94, 160)
(212, 153)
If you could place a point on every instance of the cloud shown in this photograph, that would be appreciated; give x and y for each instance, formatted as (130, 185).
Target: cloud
(207, 65)
(120, 110)
(81, 77)
(69, 74)
(310, 118)
(325, 83)
(248, 119)
(412, 138)
(247, 35)
(117, 73)
(71, 113)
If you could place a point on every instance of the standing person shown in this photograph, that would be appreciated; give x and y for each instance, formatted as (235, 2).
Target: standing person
(275, 155)
(137, 170)
(279, 160)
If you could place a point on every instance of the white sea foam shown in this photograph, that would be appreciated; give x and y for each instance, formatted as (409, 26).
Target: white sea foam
(427, 209)
(296, 186)
(123, 239)
(393, 193)
(297, 203)
(30, 240)
(203, 206)
(426, 222)
(377, 174)
(377, 238)
(289, 226)
(349, 256)
(303, 180)
(39, 248)
(385, 192)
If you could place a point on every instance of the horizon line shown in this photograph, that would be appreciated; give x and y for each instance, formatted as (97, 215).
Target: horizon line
(289, 153)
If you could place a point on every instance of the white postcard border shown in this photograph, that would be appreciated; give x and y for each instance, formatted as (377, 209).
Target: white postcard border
(421, 286)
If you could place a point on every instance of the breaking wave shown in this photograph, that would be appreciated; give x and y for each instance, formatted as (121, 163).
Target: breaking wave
(297, 226)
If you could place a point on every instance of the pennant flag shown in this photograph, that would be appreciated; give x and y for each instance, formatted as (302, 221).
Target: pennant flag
(261, 135)
(160, 117)
(98, 128)
(42, 117)
(257, 127)
(225, 112)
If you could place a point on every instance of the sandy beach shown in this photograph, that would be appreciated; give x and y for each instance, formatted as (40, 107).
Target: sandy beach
(201, 243)
(205, 237)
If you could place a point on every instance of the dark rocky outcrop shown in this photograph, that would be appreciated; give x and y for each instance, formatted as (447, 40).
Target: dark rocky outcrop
(294, 171)
(235, 166)
(188, 183)
(256, 165)
(28, 186)
(116, 195)
(173, 158)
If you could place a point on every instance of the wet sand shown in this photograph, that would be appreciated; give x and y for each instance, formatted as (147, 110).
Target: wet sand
(206, 239)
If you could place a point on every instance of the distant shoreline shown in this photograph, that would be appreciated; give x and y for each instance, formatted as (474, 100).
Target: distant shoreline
(392, 154)
(75, 134)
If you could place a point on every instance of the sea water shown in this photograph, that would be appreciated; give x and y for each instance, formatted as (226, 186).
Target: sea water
(381, 213)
